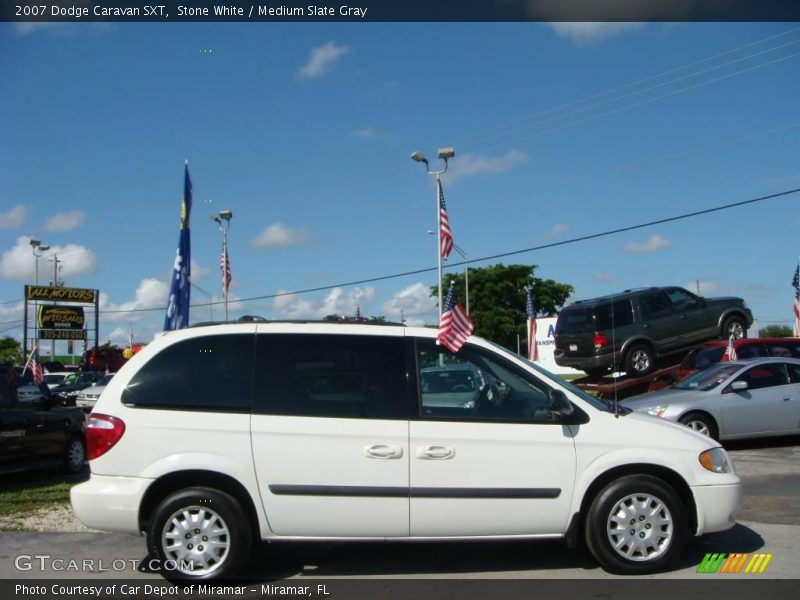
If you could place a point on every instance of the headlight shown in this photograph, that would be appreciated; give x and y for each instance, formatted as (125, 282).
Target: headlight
(657, 411)
(716, 461)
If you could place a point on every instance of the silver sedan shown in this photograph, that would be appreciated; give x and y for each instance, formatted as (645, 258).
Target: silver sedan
(732, 400)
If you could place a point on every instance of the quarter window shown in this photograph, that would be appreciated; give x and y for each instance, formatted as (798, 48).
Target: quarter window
(210, 373)
(338, 376)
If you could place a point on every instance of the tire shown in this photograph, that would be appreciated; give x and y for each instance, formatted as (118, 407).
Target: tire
(74, 456)
(701, 424)
(660, 525)
(639, 360)
(215, 518)
(734, 326)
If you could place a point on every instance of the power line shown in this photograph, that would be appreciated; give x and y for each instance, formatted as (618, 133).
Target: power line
(493, 256)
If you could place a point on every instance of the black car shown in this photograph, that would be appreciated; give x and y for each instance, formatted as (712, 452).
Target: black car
(67, 391)
(630, 330)
(34, 431)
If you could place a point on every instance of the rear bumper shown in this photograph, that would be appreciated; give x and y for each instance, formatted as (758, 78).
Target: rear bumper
(716, 506)
(109, 503)
(584, 362)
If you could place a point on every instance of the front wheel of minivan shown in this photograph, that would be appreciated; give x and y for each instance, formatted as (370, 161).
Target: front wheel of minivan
(199, 534)
(636, 525)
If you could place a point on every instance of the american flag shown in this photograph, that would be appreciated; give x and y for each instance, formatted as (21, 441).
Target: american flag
(445, 235)
(225, 267)
(456, 326)
(796, 284)
(36, 367)
(730, 351)
(533, 347)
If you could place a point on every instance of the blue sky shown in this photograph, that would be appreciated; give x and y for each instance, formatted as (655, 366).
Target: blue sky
(305, 130)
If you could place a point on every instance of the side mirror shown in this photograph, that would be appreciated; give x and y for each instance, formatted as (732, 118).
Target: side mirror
(739, 386)
(558, 403)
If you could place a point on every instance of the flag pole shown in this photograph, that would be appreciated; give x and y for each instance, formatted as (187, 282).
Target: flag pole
(438, 192)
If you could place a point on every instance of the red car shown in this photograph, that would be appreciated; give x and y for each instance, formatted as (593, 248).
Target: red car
(101, 359)
(709, 353)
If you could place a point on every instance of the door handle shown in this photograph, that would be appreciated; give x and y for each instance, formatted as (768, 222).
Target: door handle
(786, 399)
(383, 451)
(435, 452)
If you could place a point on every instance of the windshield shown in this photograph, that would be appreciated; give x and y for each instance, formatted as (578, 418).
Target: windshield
(708, 379)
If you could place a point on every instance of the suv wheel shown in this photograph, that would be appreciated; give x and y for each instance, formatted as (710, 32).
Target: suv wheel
(74, 456)
(199, 533)
(636, 524)
(734, 326)
(639, 360)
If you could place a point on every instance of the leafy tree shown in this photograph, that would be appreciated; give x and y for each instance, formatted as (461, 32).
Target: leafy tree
(775, 331)
(497, 299)
(10, 351)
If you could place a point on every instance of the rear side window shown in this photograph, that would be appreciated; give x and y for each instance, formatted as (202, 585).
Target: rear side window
(750, 351)
(209, 373)
(784, 349)
(705, 357)
(337, 376)
(622, 315)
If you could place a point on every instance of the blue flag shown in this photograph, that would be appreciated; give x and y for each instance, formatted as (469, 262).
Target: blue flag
(177, 315)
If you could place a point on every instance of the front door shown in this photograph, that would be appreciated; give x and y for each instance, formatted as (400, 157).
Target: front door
(330, 433)
(770, 403)
(487, 457)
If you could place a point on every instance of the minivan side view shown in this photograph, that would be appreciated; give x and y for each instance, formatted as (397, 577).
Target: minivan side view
(629, 331)
(215, 437)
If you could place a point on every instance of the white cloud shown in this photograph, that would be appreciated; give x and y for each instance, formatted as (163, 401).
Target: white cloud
(365, 133)
(64, 221)
(279, 235)
(468, 165)
(198, 272)
(604, 277)
(151, 293)
(414, 303)
(654, 244)
(18, 263)
(588, 33)
(337, 302)
(321, 59)
(14, 218)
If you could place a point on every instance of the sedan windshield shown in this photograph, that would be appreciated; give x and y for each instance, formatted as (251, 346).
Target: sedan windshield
(708, 379)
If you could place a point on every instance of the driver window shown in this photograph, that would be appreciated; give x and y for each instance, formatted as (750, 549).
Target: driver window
(764, 376)
(477, 385)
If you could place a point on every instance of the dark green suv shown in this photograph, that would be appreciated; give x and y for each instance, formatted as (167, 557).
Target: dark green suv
(630, 330)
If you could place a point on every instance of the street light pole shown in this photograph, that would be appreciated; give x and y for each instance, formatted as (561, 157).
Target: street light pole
(223, 219)
(443, 154)
(38, 249)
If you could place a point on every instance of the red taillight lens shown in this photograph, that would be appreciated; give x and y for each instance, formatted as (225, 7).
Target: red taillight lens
(600, 340)
(102, 432)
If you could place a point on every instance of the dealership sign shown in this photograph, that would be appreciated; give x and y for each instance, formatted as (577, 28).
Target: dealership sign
(60, 317)
(62, 334)
(60, 294)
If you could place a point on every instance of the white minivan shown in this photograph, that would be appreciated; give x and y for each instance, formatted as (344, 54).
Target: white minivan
(215, 436)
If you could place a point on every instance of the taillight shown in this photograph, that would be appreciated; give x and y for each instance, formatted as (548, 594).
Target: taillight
(600, 340)
(102, 432)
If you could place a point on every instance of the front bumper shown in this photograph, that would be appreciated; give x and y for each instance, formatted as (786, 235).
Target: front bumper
(716, 506)
(109, 503)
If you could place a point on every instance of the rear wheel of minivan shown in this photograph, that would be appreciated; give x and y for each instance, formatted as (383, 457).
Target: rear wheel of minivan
(636, 524)
(199, 534)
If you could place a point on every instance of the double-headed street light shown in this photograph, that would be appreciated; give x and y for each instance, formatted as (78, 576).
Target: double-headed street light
(443, 154)
(223, 219)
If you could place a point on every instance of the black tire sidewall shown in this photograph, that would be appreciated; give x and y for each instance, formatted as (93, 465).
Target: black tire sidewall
(597, 538)
(227, 507)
